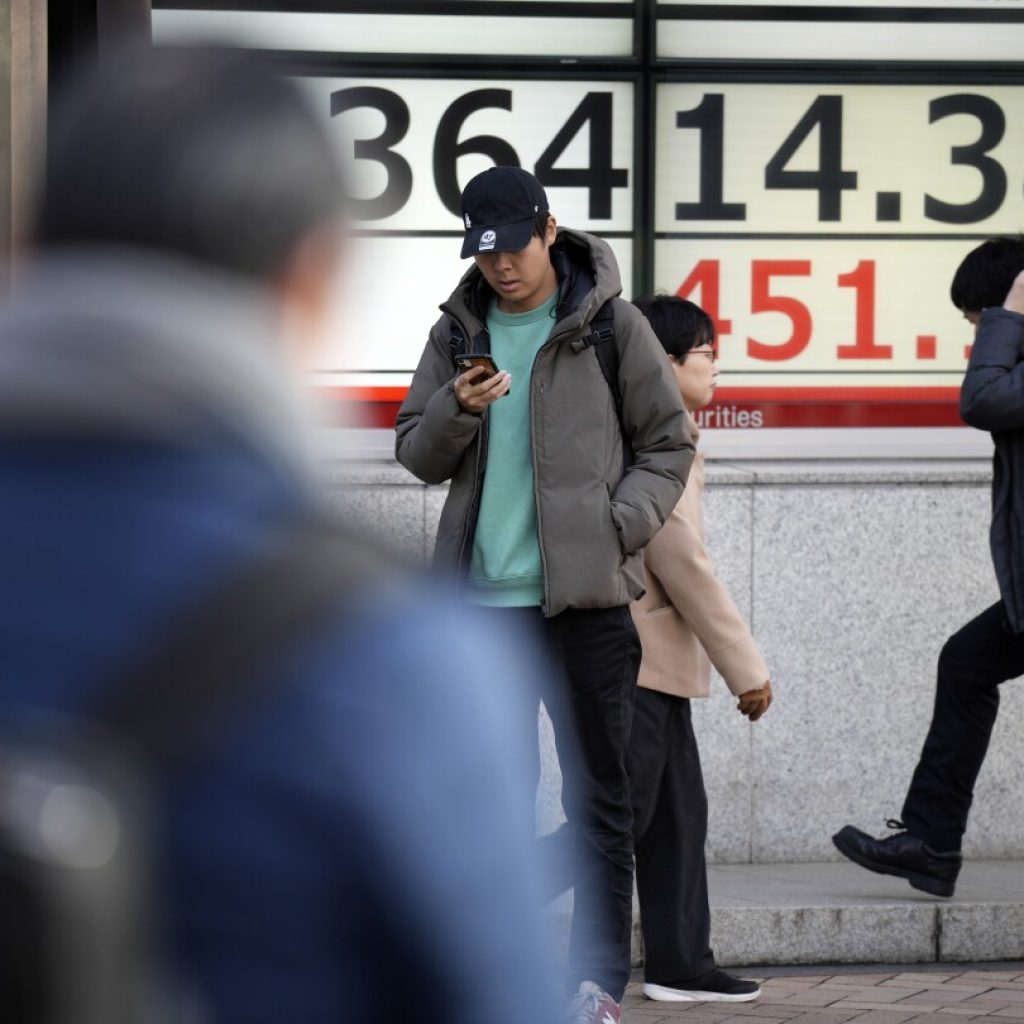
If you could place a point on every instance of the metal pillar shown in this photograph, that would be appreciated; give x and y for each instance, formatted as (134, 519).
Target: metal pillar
(23, 96)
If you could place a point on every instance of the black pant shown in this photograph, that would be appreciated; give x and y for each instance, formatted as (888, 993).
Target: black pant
(591, 710)
(973, 663)
(670, 823)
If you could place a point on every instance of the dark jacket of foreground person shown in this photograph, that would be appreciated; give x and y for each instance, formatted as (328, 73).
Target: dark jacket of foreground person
(349, 849)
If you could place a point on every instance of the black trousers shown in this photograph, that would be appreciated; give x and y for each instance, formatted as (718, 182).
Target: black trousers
(972, 665)
(670, 823)
(591, 710)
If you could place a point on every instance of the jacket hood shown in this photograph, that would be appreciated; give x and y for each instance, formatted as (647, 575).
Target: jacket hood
(136, 346)
(588, 275)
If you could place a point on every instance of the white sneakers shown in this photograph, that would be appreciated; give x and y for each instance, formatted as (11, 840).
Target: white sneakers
(716, 987)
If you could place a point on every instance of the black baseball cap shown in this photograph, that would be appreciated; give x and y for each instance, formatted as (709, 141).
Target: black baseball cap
(499, 209)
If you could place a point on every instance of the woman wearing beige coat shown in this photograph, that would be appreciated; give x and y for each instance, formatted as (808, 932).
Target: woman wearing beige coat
(687, 622)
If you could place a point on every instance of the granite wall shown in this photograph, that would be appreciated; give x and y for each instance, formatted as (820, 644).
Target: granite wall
(852, 575)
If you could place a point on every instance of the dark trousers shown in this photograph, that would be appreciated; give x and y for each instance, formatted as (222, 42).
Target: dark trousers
(670, 823)
(591, 710)
(972, 665)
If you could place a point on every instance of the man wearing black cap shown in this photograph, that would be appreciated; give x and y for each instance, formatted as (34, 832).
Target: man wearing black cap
(565, 457)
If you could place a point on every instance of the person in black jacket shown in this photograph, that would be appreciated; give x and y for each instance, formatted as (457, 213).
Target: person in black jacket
(989, 289)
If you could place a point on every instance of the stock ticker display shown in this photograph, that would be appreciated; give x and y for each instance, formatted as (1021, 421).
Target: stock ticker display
(811, 174)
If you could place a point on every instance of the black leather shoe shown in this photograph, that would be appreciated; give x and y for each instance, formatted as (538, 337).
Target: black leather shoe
(902, 855)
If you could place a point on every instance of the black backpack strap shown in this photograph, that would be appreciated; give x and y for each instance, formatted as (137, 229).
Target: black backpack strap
(457, 345)
(456, 340)
(205, 664)
(602, 339)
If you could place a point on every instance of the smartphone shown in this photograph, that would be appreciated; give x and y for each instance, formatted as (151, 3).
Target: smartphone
(470, 359)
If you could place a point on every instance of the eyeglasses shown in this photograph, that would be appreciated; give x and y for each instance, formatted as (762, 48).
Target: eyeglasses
(711, 353)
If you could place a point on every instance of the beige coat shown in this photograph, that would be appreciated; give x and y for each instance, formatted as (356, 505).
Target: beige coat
(687, 621)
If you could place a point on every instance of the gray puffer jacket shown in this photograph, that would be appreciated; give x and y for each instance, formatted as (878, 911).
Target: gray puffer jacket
(592, 516)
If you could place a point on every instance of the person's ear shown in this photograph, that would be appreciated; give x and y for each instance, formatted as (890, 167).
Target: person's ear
(550, 231)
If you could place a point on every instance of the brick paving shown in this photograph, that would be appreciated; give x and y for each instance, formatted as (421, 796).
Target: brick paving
(887, 997)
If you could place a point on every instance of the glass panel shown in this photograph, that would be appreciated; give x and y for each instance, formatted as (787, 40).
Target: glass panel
(862, 30)
(410, 261)
(556, 128)
(875, 159)
(466, 36)
(388, 303)
(821, 225)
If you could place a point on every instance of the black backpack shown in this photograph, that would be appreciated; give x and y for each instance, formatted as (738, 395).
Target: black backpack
(77, 945)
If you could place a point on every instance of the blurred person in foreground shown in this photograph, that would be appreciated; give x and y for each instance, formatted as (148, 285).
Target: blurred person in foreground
(925, 848)
(687, 622)
(349, 845)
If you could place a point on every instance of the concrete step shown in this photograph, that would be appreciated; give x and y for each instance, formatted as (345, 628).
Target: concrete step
(834, 913)
(840, 913)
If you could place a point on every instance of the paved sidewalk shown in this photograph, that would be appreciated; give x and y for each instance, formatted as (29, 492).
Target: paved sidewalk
(950, 994)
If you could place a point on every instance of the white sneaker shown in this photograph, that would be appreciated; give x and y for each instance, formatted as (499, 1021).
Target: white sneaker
(716, 987)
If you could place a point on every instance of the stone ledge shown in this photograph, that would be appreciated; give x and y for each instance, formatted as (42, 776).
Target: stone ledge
(839, 913)
(835, 913)
(817, 472)
(830, 934)
(341, 468)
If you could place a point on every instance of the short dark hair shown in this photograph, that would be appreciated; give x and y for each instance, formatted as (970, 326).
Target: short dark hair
(198, 152)
(984, 277)
(680, 325)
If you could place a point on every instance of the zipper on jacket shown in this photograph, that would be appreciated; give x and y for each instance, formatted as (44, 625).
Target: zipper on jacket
(535, 392)
(538, 391)
(473, 508)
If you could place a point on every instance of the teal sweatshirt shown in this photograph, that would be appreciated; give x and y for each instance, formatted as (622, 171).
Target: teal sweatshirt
(506, 569)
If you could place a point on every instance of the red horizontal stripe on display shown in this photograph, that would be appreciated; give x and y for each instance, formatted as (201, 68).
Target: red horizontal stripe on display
(743, 407)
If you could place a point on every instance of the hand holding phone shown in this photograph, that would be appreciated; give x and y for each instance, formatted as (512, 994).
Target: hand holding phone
(467, 362)
(475, 394)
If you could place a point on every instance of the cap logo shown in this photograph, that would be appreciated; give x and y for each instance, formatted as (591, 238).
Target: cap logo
(468, 224)
(487, 240)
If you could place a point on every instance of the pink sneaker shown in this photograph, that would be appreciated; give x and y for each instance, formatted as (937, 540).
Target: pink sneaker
(593, 1006)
